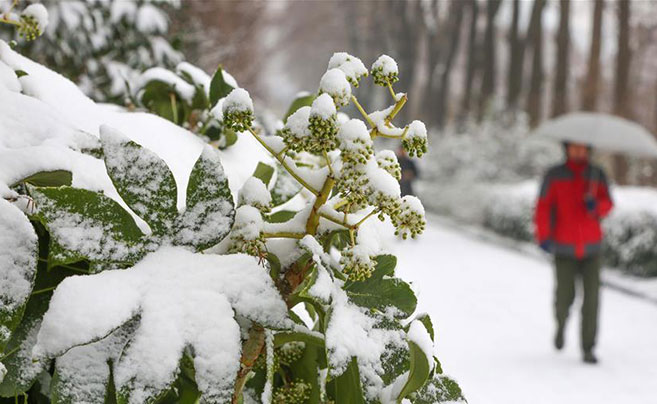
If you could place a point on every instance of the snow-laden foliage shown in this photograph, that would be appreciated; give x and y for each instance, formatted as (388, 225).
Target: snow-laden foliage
(147, 292)
(101, 45)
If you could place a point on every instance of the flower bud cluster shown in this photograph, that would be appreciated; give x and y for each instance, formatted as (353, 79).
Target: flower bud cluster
(33, 21)
(295, 133)
(237, 110)
(246, 234)
(254, 192)
(385, 71)
(322, 124)
(415, 139)
(356, 145)
(296, 392)
(335, 83)
(357, 263)
(351, 66)
(290, 352)
(410, 219)
(387, 160)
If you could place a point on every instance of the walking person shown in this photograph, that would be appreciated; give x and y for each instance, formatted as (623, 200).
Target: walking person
(409, 172)
(573, 199)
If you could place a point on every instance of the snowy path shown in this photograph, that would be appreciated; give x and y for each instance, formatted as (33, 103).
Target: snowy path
(492, 309)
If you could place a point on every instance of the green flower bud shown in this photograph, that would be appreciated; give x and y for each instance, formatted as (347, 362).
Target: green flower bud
(415, 139)
(384, 70)
(296, 392)
(357, 263)
(237, 110)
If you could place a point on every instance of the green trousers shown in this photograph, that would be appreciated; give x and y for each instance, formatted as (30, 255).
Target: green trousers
(568, 269)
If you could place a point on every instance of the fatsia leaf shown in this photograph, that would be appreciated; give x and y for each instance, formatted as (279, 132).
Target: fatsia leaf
(18, 265)
(166, 290)
(86, 225)
(421, 361)
(284, 188)
(264, 172)
(209, 214)
(380, 291)
(302, 100)
(54, 178)
(439, 389)
(347, 387)
(142, 179)
(219, 88)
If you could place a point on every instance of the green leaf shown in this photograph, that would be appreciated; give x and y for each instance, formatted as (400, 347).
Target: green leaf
(264, 172)
(302, 100)
(346, 388)
(142, 179)
(285, 187)
(230, 137)
(20, 73)
(281, 216)
(21, 370)
(54, 178)
(87, 225)
(18, 265)
(210, 212)
(419, 372)
(380, 291)
(439, 389)
(428, 324)
(218, 87)
(156, 97)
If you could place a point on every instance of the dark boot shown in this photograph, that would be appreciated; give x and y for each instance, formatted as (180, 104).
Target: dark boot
(590, 358)
(559, 339)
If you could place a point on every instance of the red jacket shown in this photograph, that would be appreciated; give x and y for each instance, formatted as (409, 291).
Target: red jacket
(561, 215)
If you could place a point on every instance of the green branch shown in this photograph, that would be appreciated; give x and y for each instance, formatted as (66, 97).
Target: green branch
(284, 164)
(362, 111)
(284, 234)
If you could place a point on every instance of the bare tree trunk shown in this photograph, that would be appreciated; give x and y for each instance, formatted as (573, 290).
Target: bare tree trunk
(622, 97)
(455, 18)
(516, 60)
(473, 59)
(535, 37)
(489, 65)
(592, 80)
(560, 94)
(435, 52)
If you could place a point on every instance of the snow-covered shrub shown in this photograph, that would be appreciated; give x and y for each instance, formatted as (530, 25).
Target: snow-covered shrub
(101, 45)
(133, 273)
(188, 97)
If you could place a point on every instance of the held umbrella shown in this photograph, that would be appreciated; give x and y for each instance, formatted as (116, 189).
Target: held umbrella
(601, 131)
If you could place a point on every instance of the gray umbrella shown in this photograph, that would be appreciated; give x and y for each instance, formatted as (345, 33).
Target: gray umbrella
(601, 131)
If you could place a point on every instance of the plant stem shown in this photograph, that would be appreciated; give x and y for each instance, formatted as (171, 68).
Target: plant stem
(251, 349)
(394, 136)
(11, 352)
(284, 234)
(174, 108)
(336, 221)
(72, 268)
(313, 219)
(44, 290)
(398, 106)
(361, 221)
(362, 111)
(392, 92)
(284, 164)
(328, 163)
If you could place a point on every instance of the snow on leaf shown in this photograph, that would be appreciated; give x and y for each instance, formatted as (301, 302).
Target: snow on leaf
(439, 389)
(142, 179)
(166, 290)
(86, 225)
(210, 212)
(18, 262)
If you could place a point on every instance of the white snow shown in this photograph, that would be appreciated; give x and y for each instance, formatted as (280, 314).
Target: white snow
(386, 64)
(196, 74)
(416, 129)
(18, 260)
(297, 123)
(39, 13)
(492, 311)
(254, 192)
(418, 334)
(248, 223)
(323, 107)
(351, 66)
(334, 82)
(166, 289)
(151, 20)
(183, 88)
(353, 135)
(238, 100)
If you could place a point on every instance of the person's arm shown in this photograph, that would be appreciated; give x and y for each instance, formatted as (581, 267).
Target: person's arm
(603, 197)
(543, 212)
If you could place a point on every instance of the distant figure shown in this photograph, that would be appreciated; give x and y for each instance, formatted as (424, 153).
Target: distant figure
(573, 199)
(409, 172)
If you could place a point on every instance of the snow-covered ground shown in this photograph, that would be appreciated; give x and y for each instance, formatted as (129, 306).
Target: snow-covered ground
(492, 310)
